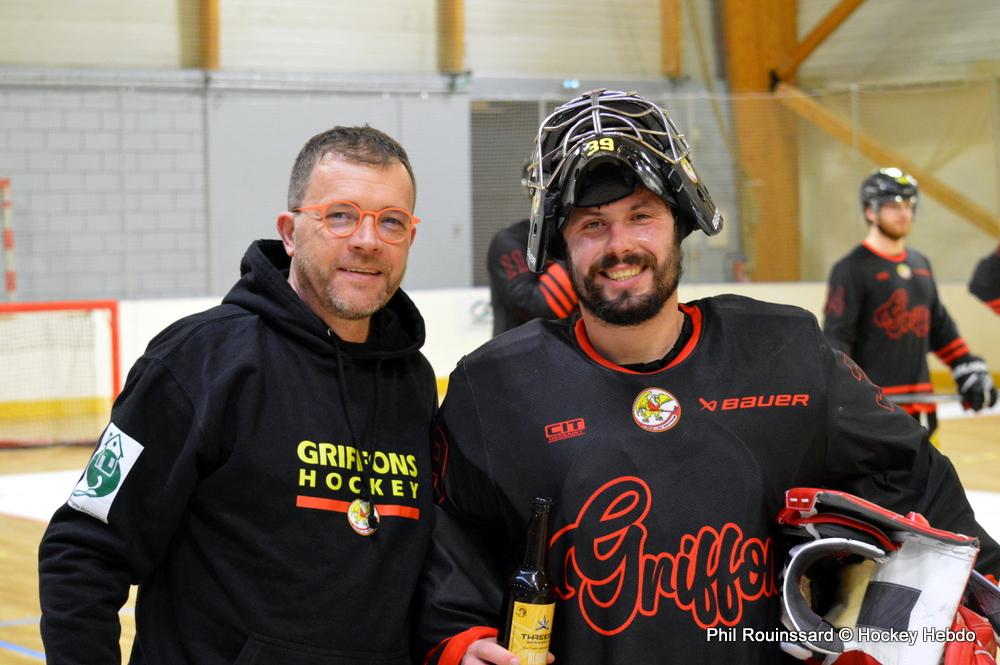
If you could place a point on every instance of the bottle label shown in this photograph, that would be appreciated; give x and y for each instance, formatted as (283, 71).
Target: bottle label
(530, 631)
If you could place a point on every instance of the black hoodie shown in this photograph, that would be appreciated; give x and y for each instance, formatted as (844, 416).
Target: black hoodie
(220, 488)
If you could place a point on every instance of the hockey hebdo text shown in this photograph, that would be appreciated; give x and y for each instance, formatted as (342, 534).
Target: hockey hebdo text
(844, 634)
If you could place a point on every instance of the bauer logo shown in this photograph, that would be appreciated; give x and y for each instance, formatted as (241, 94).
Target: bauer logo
(656, 410)
(105, 473)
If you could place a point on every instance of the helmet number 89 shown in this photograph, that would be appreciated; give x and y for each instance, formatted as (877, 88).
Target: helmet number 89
(593, 146)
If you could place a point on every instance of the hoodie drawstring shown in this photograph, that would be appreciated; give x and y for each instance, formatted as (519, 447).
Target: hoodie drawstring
(373, 519)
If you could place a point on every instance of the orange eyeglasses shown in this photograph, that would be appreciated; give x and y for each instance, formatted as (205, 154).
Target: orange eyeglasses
(343, 219)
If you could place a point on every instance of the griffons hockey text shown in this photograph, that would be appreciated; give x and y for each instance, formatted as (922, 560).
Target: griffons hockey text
(347, 461)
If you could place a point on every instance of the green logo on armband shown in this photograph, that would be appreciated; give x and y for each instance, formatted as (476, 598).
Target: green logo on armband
(105, 473)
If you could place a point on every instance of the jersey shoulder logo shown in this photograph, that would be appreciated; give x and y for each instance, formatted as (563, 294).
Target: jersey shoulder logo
(656, 410)
(105, 473)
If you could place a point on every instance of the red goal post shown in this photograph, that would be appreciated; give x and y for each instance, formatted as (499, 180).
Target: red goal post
(59, 371)
(10, 277)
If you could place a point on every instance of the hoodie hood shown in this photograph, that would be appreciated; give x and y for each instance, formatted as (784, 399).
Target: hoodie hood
(397, 329)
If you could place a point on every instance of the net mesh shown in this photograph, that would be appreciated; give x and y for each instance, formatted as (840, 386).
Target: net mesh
(57, 385)
(786, 184)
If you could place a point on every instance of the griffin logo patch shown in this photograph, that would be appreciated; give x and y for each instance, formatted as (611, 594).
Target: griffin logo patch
(656, 410)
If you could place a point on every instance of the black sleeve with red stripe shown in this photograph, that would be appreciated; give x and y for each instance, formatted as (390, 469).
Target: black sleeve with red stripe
(523, 294)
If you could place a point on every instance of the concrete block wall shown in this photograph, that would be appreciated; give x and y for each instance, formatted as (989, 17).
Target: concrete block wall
(107, 185)
(134, 184)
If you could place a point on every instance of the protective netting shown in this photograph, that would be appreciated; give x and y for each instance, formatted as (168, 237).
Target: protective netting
(56, 381)
(785, 168)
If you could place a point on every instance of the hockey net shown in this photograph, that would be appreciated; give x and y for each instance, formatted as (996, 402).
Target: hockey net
(58, 371)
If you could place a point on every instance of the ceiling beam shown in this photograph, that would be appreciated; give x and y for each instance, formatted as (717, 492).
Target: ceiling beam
(209, 33)
(790, 65)
(451, 36)
(815, 113)
(671, 39)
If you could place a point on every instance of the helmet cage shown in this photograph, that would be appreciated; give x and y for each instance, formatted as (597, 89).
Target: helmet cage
(599, 127)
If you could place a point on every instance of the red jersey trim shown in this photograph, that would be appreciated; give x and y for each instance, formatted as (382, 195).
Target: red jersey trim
(912, 388)
(918, 408)
(580, 331)
(554, 306)
(456, 646)
(908, 388)
(951, 352)
(898, 258)
(558, 273)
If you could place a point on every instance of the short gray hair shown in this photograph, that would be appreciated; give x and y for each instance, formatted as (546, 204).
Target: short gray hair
(361, 145)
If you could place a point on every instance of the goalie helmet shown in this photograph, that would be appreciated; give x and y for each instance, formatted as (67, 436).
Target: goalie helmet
(888, 184)
(596, 149)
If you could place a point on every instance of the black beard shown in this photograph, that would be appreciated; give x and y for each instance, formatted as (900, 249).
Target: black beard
(620, 311)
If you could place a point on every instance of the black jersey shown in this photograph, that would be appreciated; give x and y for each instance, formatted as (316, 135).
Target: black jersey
(519, 295)
(884, 311)
(985, 282)
(665, 484)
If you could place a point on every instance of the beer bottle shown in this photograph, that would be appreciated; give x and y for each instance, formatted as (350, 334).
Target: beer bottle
(528, 605)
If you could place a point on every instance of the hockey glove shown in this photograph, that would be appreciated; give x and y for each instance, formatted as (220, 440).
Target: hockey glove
(974, 382)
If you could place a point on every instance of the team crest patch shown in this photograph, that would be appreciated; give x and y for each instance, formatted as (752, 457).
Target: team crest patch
(105, 473)
(904, 271)
(656, 410)
(363, 517)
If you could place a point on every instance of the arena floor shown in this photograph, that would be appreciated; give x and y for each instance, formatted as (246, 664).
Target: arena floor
(34, 482)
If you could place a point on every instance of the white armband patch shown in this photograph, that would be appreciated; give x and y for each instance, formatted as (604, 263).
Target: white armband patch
(105, 473)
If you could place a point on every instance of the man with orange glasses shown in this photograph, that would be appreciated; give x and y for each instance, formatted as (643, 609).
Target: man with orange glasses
(883, 308)
(265, 477)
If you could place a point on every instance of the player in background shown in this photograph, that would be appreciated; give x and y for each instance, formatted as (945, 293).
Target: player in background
(985, 281)
(883, 309)
(517, 294)
(666, 433)
(265, 477)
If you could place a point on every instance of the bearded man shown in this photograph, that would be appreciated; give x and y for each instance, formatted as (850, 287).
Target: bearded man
(666, 433)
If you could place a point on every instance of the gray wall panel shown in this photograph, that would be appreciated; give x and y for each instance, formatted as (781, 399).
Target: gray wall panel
(253, 139)
(435, 133)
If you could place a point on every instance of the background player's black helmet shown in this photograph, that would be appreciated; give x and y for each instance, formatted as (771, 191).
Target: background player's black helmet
(596, 149)
(888, 184)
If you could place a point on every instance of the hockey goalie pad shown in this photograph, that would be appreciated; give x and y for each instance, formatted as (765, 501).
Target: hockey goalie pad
(903, 608)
